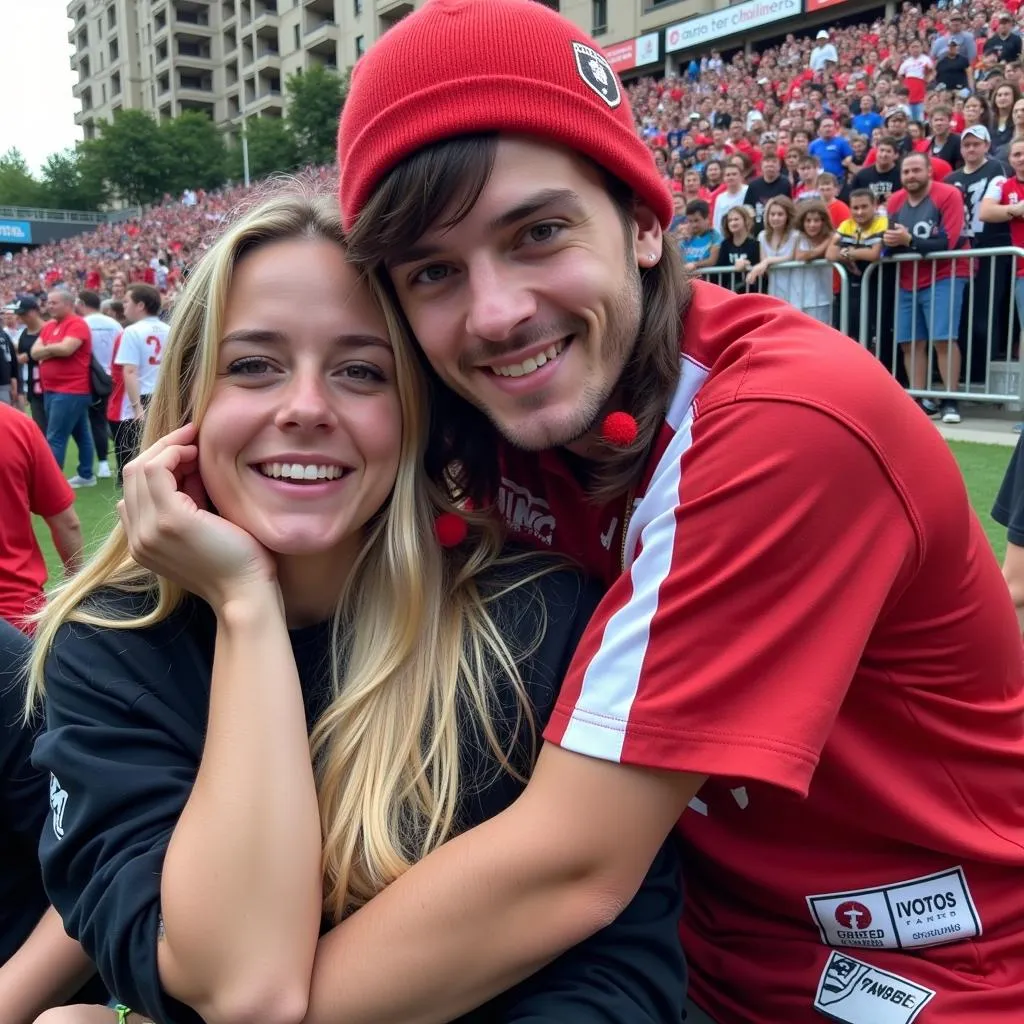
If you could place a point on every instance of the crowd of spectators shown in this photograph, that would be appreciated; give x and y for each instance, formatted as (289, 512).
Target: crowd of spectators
(797, 154)
(769, 154)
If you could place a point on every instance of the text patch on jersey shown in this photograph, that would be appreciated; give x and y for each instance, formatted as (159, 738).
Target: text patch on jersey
(854, 992)
(927, 911)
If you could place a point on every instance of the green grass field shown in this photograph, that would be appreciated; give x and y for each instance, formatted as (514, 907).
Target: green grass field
(983, 466)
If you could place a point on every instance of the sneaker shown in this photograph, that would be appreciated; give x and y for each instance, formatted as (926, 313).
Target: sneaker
(930, 408)
(950, 412)
(103, 470)
(81, 481)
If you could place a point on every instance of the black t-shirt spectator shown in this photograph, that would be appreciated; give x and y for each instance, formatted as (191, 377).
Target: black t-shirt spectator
(759, 192)
(25, 343)
(972, 185)
(948, 151)
(728, 253)
(881, 183)
(952, 71)
(8, 365)
(1008, 510)
(1001, 136)
(1004, 49)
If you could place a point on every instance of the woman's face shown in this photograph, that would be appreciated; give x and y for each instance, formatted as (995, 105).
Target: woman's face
(301, 440)
(776, 217)
(734, 223)
(813, 224)
(1003, 98)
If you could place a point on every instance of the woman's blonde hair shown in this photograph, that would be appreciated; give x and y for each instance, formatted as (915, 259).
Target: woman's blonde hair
(414, 649)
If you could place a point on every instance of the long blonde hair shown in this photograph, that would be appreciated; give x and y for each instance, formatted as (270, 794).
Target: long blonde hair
(414, 649)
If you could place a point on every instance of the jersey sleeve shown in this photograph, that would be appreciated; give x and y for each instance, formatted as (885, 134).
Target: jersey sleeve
(1008, 510)
(50, 493)
(118, 784)
(770, 538)
(995, 189)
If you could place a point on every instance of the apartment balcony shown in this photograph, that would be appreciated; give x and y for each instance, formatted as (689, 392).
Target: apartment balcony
(394, 10)
(322, 38)
(325, 8)
(265, 23)
(267, 60)
(195, 94)
(268, 102)
(193, 17)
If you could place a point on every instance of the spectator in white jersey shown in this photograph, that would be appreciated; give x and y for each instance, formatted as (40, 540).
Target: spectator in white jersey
(104, 334)
(135, 366)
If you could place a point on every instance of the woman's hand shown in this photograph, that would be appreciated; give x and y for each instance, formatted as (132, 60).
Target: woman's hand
(759, 269)
(170, 531)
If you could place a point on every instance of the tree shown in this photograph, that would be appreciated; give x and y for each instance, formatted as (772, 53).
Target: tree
(133, 157)
(71, 181)
(17, 186)
(271, 147)
(315, 100)
(199, 158)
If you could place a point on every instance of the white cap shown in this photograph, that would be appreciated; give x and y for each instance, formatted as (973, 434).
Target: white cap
(823, 34)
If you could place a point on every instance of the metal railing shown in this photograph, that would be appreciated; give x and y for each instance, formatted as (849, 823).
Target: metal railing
(982, 320)
(735, 280)
(34, 213)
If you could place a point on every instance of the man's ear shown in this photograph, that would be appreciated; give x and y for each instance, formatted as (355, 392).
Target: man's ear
(648, 236)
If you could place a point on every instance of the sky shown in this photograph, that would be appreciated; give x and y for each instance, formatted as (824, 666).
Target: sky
(37, 110)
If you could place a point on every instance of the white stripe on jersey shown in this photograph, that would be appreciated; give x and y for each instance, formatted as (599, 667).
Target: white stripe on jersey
(614, 672)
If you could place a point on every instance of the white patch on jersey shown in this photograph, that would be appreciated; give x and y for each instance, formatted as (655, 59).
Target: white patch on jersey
(58, 804)
(854, 992)
(930, 911)
(698, 805)
(606, 537)
(524, 513)
(612, 678)
(742, 798)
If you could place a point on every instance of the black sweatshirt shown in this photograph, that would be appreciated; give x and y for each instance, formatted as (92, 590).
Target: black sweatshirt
(126, 714)
(23, 806)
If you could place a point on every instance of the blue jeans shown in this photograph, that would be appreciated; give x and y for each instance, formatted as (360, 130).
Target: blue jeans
(68, 416)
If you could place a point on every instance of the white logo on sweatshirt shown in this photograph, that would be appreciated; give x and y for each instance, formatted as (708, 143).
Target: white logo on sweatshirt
(58, 802)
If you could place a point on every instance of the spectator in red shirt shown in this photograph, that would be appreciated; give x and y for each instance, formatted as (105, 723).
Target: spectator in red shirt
(31, 484)
(64, 354)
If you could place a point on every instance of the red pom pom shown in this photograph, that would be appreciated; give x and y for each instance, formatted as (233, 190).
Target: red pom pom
(451, 529)
(619, 429)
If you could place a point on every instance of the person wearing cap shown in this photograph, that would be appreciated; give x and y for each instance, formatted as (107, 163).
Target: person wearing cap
(824, 52)
(956, 31)
(806, 659)
(9, 370)
(1004, 44)
(1004, 204)
(953, 70)
(992, 276)
(26, 309)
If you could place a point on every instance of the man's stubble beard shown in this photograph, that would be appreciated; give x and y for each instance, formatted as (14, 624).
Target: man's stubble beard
(620, 339)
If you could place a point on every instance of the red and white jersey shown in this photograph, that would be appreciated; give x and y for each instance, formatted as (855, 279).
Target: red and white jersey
(141, 344)
(1008, 192)
(810, 615)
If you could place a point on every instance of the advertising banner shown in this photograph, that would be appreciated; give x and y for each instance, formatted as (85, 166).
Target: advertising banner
(17, 231)
(730, 21)
(634, 53)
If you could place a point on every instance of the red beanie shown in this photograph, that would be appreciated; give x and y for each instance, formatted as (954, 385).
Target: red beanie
(458, 67)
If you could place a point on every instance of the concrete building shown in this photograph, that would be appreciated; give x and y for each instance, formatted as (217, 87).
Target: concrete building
(230, 58)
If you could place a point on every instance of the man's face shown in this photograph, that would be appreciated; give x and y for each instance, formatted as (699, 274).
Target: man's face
(808, 172)
(1017, 159)
(58, 305)
(828, 128)
(862, 210)
(133, 311)
(897, 125)
(732, 177)
(698, 224)
(940, 125)
(973, 150)
(915, 174)
(530, 306)
(828, 191)
(915, 48)
(770, 168)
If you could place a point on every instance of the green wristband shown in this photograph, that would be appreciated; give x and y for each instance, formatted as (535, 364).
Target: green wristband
(123, 1013)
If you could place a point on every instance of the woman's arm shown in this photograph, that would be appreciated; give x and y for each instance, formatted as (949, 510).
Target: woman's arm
(47, 969)
(241, 884)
